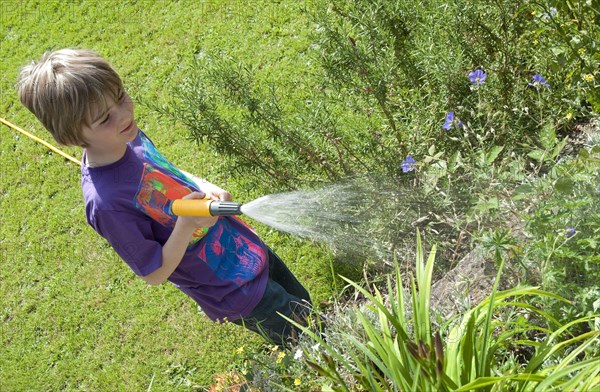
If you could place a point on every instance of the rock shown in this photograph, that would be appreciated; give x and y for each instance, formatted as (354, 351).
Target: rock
(465, 285)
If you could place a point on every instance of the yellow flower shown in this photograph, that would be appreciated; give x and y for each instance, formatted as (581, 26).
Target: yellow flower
(240, 350)
(588, 77)
(535, 42)
(280, 357)
(297, 381)
(569, 116)
(581, 50)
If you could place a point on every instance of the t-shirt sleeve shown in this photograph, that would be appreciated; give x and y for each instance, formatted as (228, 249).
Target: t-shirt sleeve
(131, 237)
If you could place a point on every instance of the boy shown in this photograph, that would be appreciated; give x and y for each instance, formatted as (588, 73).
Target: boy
(128, 187)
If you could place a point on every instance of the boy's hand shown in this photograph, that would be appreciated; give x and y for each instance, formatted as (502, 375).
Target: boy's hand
(219, 194)
(194, 222)
(211, 190)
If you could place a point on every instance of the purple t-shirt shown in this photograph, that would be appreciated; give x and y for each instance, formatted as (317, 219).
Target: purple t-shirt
(129, 204)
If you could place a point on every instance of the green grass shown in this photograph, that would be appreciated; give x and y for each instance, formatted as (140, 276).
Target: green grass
(72, 315)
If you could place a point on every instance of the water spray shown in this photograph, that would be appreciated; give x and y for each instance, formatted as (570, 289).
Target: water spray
(369, 215)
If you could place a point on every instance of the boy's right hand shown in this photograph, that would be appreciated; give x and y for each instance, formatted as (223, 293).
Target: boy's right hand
(194, 222)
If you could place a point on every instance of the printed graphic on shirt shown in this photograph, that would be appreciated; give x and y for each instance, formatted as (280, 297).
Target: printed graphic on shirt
(155, 195)
(158, 160)
(232, 256)
(230, 248)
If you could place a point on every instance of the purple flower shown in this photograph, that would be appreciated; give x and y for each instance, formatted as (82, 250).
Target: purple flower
(477, 77)
(538, 80)
(570, 232)
(408, 164)
(450, 121)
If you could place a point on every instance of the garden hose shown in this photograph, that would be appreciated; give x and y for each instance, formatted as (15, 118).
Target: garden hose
(180, 207)
(37, 139)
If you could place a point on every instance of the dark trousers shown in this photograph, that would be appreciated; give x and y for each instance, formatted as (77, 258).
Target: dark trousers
(285, 295)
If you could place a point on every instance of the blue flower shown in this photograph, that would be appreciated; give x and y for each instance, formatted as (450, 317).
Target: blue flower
(477, 77)
(450, 121)
(549, 15)
(538, 80)
(570, 232)
(408, 165)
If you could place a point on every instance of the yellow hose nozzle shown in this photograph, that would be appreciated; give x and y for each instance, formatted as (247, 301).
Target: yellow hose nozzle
(205, 207)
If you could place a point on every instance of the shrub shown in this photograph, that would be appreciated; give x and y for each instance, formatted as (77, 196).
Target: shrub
(560, 250)
(386, 76)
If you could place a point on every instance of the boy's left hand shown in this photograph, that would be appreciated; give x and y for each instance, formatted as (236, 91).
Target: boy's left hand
(219, 194)
(211, 191)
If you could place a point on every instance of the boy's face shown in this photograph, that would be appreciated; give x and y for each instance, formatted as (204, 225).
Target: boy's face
(113, 127)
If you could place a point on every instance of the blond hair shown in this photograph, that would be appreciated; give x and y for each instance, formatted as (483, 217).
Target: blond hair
(67, 89)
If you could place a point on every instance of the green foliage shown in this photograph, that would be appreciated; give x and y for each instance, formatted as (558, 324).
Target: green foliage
(396, 346)
(570, 30)
(379, 80)
(563, 225)
(385, 74)
(272, 367)
(253, 130)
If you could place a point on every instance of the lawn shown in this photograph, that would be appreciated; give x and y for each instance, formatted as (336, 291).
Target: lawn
(73, 316)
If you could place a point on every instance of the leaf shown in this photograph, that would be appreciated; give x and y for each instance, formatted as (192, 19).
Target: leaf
(537, 155)
(454, 162)
(564, 185)
(548, 137)
(482, 382)
(321, 371)
(438, 169)
(486, 205)
(524, 188)
(559, 147)
(523, 191)
(589, 243)
(491, 155)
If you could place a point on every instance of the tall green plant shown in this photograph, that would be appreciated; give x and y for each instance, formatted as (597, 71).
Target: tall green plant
(396, 352)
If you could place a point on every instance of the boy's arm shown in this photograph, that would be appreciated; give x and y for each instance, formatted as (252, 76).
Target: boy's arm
(175, 247)
(211, 190)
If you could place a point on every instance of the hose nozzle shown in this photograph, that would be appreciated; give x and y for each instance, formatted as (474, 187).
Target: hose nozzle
(205, 207)
(225, 208)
